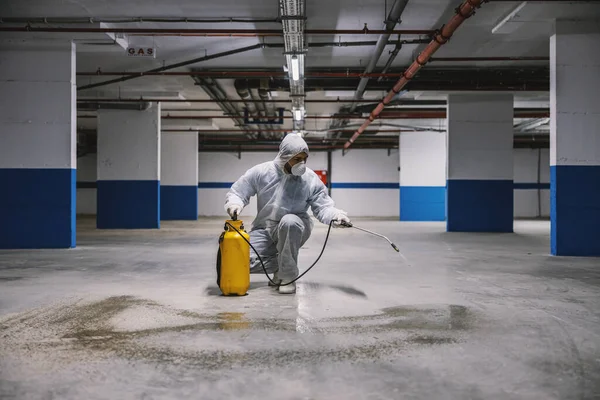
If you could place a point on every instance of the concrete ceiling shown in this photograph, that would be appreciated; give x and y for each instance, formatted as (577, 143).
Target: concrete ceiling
(499, 28)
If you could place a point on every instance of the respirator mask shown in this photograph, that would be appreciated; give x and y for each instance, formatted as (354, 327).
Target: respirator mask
(299, 169)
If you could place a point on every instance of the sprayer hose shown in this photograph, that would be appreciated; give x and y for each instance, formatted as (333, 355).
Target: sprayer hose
(263, 265)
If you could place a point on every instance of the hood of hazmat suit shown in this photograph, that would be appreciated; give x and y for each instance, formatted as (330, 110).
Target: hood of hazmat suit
(291, 146)
(280, 193)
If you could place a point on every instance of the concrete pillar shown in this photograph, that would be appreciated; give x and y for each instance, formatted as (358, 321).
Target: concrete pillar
(422, 176)
(179, 176)
(37, 144)
(575, 141)
(480, 163)
(128, 194)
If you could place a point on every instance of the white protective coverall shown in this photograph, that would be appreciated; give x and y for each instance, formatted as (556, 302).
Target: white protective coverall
(282, 224)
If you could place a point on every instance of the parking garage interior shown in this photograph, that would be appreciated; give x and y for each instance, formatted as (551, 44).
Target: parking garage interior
(466, 134)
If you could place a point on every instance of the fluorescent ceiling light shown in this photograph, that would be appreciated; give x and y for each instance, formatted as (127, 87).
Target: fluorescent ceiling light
(297, 114)
(295, 68)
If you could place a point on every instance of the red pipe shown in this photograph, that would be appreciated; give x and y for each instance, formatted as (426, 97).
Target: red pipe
(441, 37)
(214, 32)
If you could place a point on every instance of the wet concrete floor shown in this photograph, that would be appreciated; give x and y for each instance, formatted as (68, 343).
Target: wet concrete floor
(138, 315)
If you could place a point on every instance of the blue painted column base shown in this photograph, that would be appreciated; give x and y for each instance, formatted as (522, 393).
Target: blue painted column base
(575, 210)
(178, 202)
(128, 205)
(37, 208)
(480, 206)
(422, 203)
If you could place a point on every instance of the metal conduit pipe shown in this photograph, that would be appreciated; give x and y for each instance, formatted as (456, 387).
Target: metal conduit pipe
(129, 20)
(236, 131)
(214, 32)
(392, 19)
(307, 139)
(215, 92)
(441, 37)
(242, 90)
(265, 96)
(141, 106)
(172, 66)
(336, 100)
(391, 115)
(260, 112)
(392, 57)
(232, 74)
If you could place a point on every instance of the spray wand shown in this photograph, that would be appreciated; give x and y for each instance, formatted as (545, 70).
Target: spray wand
(372, 233)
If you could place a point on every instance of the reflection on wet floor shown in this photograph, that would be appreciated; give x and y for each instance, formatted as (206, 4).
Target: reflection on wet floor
(307, 286)
(104, 328)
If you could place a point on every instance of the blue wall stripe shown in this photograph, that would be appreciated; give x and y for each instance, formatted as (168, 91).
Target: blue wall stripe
(540, 186)
(479, 205)
(37, 208)
(575, 210)
(214, 185)
(422, 203)
(128, 205)
(178, 203)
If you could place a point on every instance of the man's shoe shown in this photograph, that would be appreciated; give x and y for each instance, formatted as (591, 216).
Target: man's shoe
(288, 289)
(275, 279)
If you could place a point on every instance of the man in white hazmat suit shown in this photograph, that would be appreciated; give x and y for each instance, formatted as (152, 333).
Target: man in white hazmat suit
(285, 188)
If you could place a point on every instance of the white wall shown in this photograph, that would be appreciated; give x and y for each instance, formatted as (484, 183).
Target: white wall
(179, 159)
(480, 136)
(574, 84)
(423, 159)
(366, 166)
(37, 104)
(526, 201)
(129, 144)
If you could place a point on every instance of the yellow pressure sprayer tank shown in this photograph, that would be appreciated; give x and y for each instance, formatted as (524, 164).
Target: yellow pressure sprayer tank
(233, 260)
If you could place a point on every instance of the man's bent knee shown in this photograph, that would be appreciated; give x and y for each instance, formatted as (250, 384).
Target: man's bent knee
(291, 221)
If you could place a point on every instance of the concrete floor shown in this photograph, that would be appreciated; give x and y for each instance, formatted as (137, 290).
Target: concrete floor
(137, 315)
